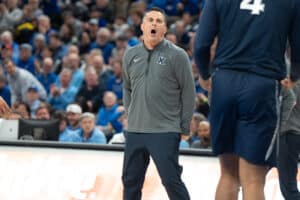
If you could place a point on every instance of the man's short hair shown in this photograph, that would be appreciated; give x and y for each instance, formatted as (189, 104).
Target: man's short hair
(157, 9)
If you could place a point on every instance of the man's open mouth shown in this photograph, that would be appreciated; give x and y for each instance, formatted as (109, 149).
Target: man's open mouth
(153, 31)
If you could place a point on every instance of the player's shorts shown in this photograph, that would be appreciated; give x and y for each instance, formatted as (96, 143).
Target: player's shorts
(243, 115)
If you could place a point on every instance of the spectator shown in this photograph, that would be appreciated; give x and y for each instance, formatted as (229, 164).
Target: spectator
(39, 43)
(182, 35)
(119, 49)
(19, 81)
(7, 52)
(84, 43)
(120, 26)
(119, 138)
(132, 38)
(74, 24)
(73, 49)
(120, 8)
(47, 77)
(26, 59)
(57, 46)
(92, 29)
(73, 63)
(66, 33)
(73, 115)
(10, 14)
(63, 121)
(103, 43)
(89, 133)
(44, 27)
(33, 100)
(90, 95)
(196, 119)
(43, 112)
(203, 135)
(106, 12)
(34, 7)
(64, 94)
(171, 36)
(115, 82)
(171, 8)
(135, 21)
(8, 42)
(52, 9)
(23, 109)
(103, 72)
(108, 118)
(4, 90)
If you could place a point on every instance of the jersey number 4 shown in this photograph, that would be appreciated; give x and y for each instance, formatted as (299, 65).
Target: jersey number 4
(256, 6)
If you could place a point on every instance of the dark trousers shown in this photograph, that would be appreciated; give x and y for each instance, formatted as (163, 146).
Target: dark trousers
(164, 150)
(289, 150)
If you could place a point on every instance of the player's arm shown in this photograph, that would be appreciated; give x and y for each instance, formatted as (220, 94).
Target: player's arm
(207, 30)
(294, 40)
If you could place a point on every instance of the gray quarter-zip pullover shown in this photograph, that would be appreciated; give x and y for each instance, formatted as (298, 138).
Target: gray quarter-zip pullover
(158, 89)
(291, 110)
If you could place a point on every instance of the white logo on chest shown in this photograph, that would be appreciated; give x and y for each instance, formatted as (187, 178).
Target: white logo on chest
(136, 60)
(162, 60)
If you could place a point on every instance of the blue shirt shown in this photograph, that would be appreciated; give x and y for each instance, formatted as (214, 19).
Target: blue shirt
(47, 80)
(76, 81)
(69, 134)
(96, 137)
(27, 64)
(61, 101)
(115, 85)
(251, 37)
(184, 144)
(110, 115)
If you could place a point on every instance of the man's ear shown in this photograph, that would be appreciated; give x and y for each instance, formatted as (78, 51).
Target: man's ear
(142, 26)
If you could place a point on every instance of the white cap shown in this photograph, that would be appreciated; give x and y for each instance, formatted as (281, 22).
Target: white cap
(74, 108)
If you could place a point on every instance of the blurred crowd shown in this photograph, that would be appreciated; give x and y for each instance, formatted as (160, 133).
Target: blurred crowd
(62, 59)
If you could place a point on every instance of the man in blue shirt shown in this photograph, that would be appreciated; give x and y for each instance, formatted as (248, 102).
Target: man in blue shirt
(88, 133)
(26, 59)
(248, 65)
(73, 112)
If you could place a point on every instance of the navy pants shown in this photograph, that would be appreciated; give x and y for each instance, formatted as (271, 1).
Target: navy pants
(164, 150)
(289, 150)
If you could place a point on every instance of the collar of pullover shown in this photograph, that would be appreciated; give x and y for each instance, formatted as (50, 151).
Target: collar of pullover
(158, 46)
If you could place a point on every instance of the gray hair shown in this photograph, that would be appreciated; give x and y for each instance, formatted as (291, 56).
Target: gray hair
(87, 115)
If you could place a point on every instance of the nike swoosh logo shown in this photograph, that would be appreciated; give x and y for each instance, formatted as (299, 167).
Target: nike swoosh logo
(136, 60)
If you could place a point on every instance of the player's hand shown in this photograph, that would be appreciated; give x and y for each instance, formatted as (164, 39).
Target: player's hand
(4, 108)
(287, 83)
(205, 84)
